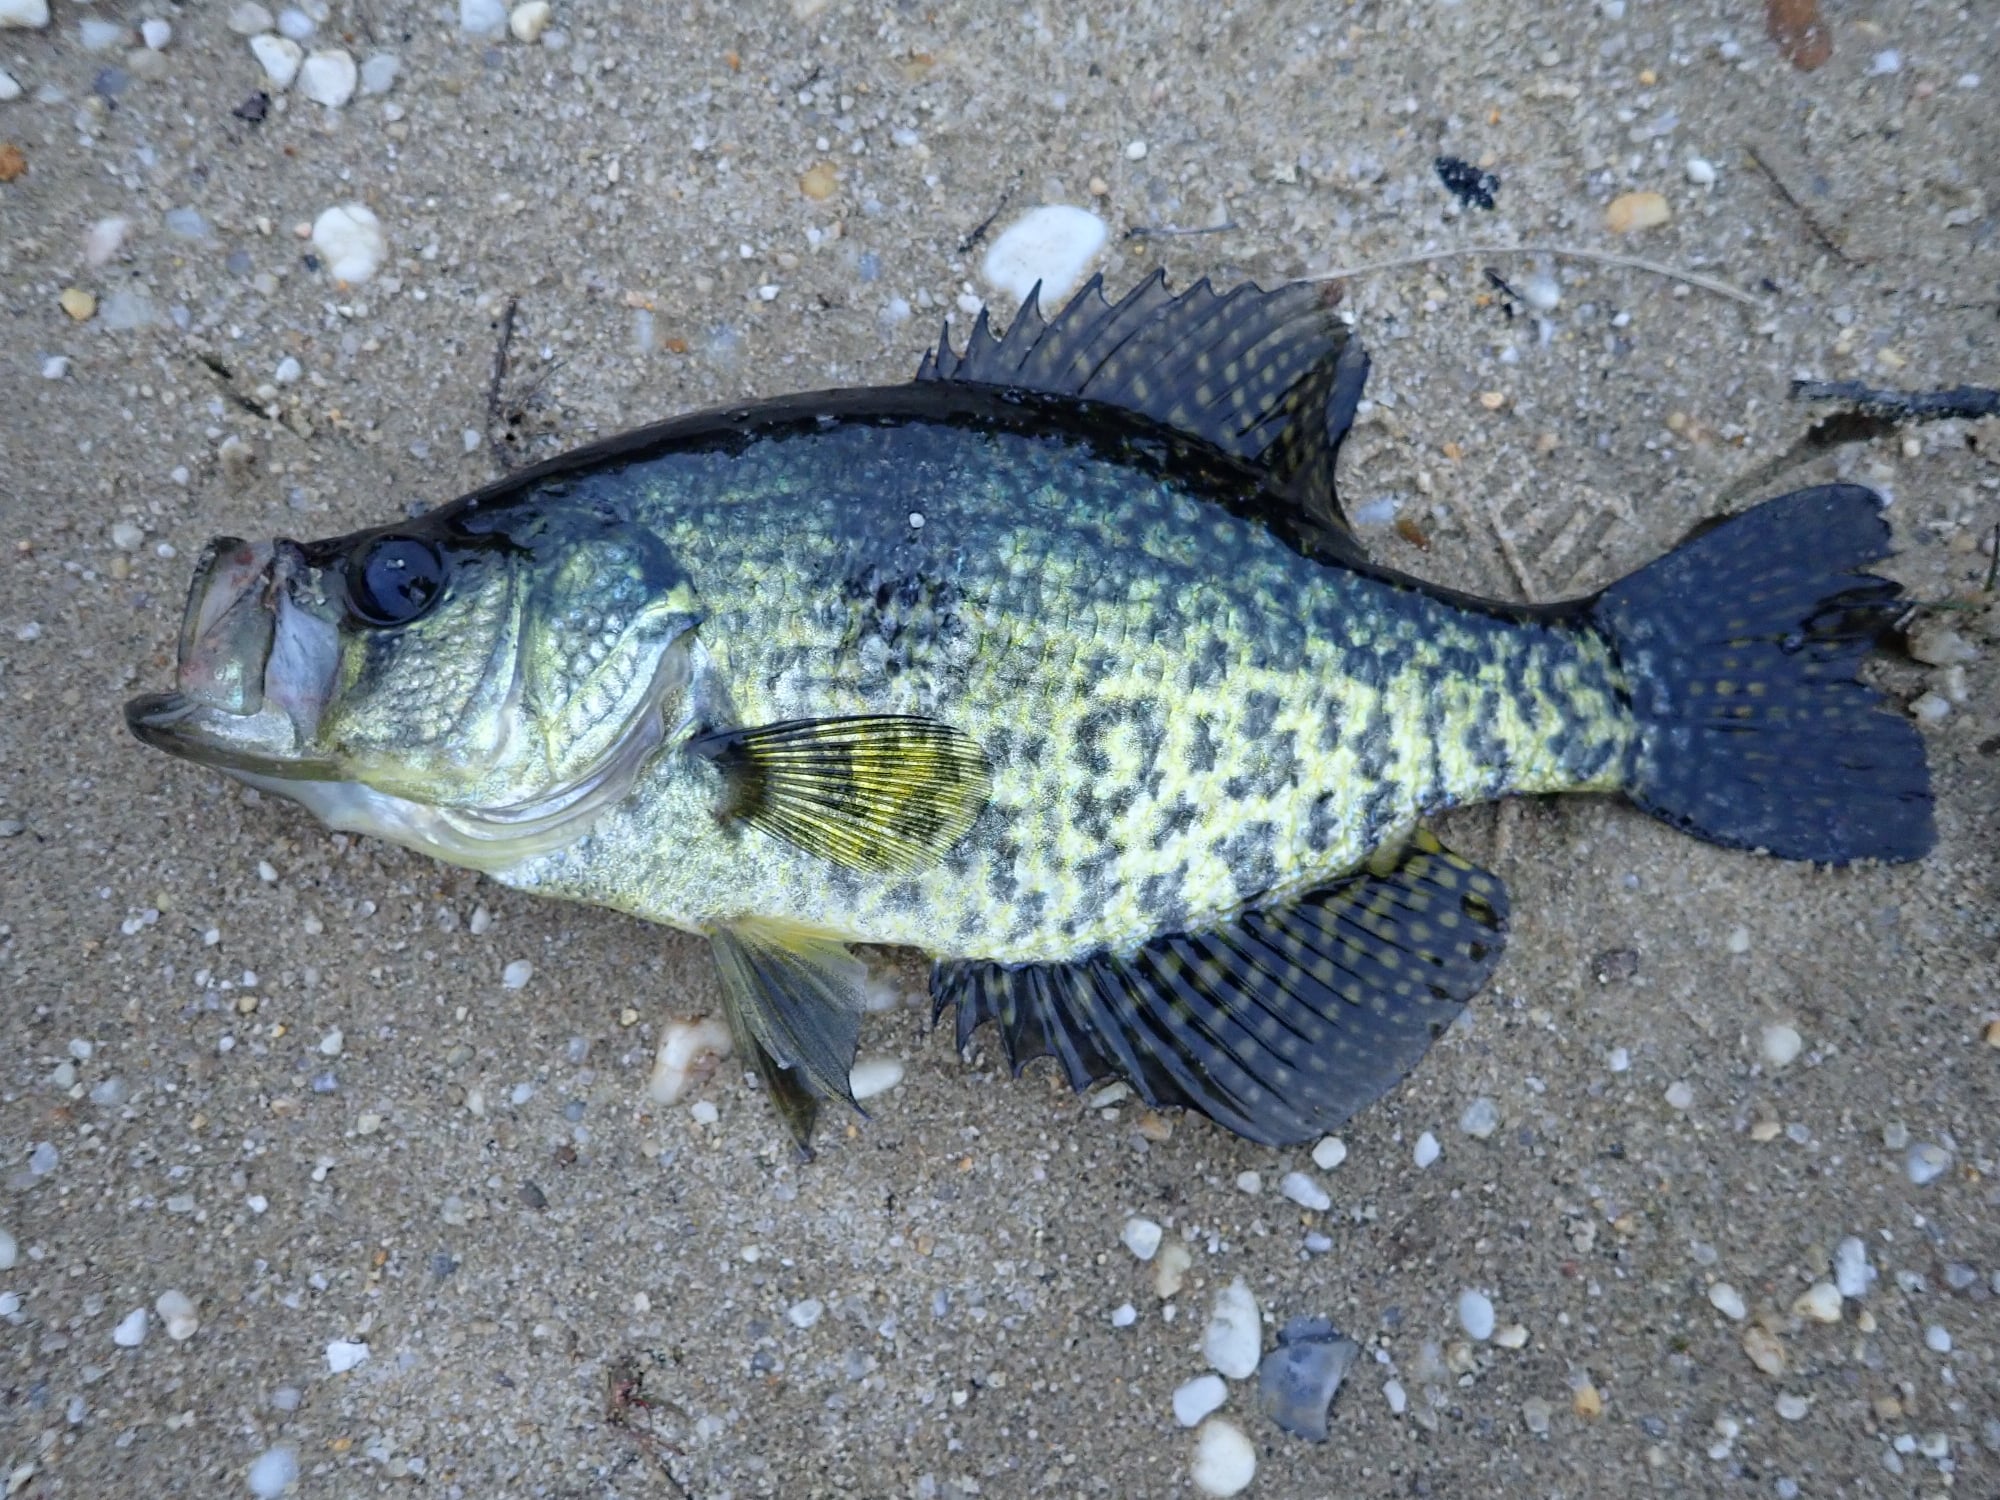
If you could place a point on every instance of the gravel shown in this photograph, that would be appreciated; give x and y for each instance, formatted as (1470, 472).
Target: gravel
(1475, 1315)
(1224, 1460)
(1427, 1150)
(1726, 1300)
(1141, 1237)
(1197, 1398)
(273, 1472)
(1052, 246)
(1297, 1381)
(1851, 1271)
(1480, 1119)
(1329, 1153)
(1305, 1192)
(1234, 1337)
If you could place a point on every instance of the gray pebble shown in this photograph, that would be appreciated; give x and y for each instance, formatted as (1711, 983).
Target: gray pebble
(1297, 1381)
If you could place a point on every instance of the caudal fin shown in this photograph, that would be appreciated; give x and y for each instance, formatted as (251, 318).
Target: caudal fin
(1741, 647)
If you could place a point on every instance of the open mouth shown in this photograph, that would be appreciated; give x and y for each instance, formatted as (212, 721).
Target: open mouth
(253, 670)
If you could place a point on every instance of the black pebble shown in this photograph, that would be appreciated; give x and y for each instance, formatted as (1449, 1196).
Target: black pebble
(1466, 182)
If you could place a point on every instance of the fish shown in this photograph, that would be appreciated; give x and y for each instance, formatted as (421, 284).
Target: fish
(1060, 664)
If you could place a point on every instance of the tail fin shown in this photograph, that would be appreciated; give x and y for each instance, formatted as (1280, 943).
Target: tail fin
(1741, 647)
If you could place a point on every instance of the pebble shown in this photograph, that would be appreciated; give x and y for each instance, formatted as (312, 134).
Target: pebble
(805, 1314)
(289, 372)
(131, 1330)
(1427, 1150)
(43, 1159)
(1303, 1191)
(1396, 1396)
(280, 57)
(1542, 293)
(1937, 1339)
(1587, 1402)
(1782, 1045)
(1535, 1415)
(1124, 1315)
(1481, 1119)
(1851, 1271)
(517, 974)
(10, 87)
(127, 536)
(1926, 1163)
(1793, 1407)
(529, 21)
(126, 309)
(1170, 1269)
(704, 1112)
(295, 23)
(1885, 62)
(25, 13)
(349, 239)
(1940, 646)
(378, 74)
(1820, 1303)
(1224, 1461)
(1700, 171)
(177, 1313)
(682, 1045)
(156, 33)
(1235, 1336)
(1619, 1060)
(249, 18)
(1297, 1381)
(1475, 1315)
(1726, 1300)
(482, 17)
(100, 35)
(1199, 1397)
(1630, 212)
(1764, 1350)
(1680, 1096)
(273, 1472)
(1250, 1182)
(1329, 1153)
(1141, 1237)
(329, 77)
(79, 305)
(1136, 151)
(1930, 708)
(874, 1075)
(343, 1355)
(10, 1250)
(1053, 245)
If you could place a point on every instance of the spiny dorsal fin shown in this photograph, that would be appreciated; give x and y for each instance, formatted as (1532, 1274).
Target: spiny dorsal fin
(1270, 377)
(882, 794)
(1278, 1025)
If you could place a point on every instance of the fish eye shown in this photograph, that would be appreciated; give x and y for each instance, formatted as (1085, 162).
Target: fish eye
(392, 580)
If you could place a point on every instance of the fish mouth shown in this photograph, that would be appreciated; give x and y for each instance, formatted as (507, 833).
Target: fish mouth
(255, 665)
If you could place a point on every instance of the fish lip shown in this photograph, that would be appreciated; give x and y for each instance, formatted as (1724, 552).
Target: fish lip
(154, 717)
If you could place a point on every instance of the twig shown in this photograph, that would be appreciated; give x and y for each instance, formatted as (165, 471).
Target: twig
(1819, 230)
(1143, 231)
(1970, 402)
(1567, 252)
(978, 231)
(500, 454)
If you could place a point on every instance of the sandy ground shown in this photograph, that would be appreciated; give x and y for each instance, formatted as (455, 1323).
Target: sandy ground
(513, 1271)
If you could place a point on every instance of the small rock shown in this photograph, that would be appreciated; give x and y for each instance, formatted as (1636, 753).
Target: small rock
(1297, 1381)
(280, 57)
(1303, 1191)
(1930, 708)
(819, 181)
(1141, 1237)
(1235, 1335)
(1631, 212)
(1679, 1096)
(289, 371)
(1885, 63)
(1926, 1163)
(1851, 1272)
(1543, 293)
(1475, 1315)
(1224, 1461)
(131, 1330)
(126, 309)
(1587, 1402)
(482, 17)
(10, 87)
(343, 1355)
(156, 33)
(10, 1250)
(329, 77)
(24, 13)
(528, 22)
(1937, 1339)
(1535, 1415)
(1250, 1182)
(805, 1314)
(349, 239)
(1765, 1352)
(1820, 1303)
(1793, 1407)
(247, 19)
(1124, 1315)
(1938, 645)
(1329, 1153)
(177, 1313)
(1396, 1396)
(295, 23)
(127, 536)
(274, 1471)
(80, 305)
(100, 35)
(517, 974)
(1700, 171)
(1782, 1045)
(1427, 1150)
(1481, 1119)
(378, 74)
(1199, 1397)
(683, 1045)
(1170, 1268)
(874, 1075)
(1052, 245)
(1726, 1300)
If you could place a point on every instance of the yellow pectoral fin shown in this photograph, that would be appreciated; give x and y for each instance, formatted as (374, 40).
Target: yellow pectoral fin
(879, 794)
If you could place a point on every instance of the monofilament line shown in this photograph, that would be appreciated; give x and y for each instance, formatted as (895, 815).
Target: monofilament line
(1567, 252)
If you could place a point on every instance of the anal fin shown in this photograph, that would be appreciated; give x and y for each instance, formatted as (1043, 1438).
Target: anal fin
(794, 1003)
(1277, 1026)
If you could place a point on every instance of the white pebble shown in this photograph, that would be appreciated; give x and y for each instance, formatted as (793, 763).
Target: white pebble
(682, 1045)
(104, 239)
(294, 23)
(471, 440)
(343, 1355)
(100, 35)
(517, 974)
(1481, 1119)
(1235, 1334)
(1793, 1407)
(177, 1313)
(25, 13)
(127, 536)
(1930, 708)
(1542, 293)
(1926, 1163)
(529, 21)
(131, 1330)
(1679, 1096)
(1819, 1303)
(1726, 1300)
(1851, 1271)
(1475, 1315)
(378, 74)
(329, 77)
(874, 1075)
(1136, 151)
(805, 1314)
(1250, 1182)
(1224, 1462)
(273, 1472)
(289, 371)
(1937, 1340)
(1053, 245)
(10, 87)
(482, 17)
(1199, 1397)
(1141, 1237)
(1885, 62)
(1427, 1150)
(704, 1112)
(1782, 1045)
(1329, 1153)
(1396, 1396)
(249, 18)
(1303, 1191)
(1700, 171)
(332, 1042)
(1619, 1060)
(1124, 1315)
(156, 33)
(349, 239)
(280, 56)
(10, 1250)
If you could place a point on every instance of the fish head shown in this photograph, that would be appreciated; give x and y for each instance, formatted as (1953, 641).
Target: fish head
(477, 684)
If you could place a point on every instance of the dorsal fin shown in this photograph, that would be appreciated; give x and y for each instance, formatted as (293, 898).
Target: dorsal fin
(1272, 378)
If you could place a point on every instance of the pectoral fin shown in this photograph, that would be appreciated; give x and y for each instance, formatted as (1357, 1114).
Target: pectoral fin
(794, 1002)
(880, 794)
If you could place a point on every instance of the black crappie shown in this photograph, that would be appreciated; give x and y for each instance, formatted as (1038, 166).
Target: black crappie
(1060, 665)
